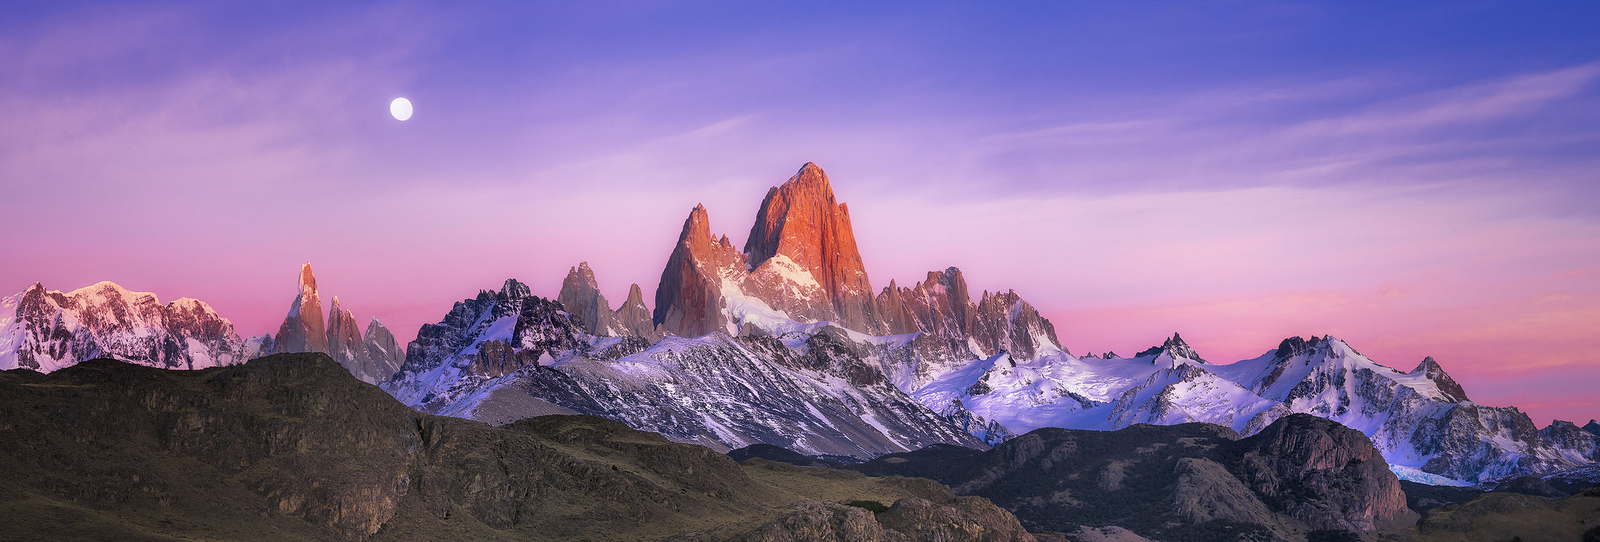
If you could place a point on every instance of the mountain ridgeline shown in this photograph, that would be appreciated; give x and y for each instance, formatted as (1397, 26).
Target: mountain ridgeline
(786, 342)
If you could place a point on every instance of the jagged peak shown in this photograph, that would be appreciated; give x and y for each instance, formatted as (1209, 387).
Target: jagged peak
(1296, 345)
(580, 275)
(1428, 365)
(308, 281)
(807, 189)
(697, 225)
(635, 294)
(809, 174)
(1431, 370)
(1593, 427)
(513, 289)
(1174, 347)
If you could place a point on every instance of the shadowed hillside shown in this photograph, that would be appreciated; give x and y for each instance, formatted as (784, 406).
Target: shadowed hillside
(292, 447)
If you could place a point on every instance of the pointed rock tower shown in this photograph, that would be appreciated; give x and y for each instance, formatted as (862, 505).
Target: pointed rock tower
(801, 230)
(344, 338)
(634, 318)
(689, 301)
(303, 329)
(383, 354)
(580, 295)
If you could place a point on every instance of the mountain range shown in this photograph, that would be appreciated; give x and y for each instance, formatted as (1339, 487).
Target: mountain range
(784, 341)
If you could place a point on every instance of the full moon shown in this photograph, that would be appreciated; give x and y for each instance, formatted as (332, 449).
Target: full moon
(400, 108)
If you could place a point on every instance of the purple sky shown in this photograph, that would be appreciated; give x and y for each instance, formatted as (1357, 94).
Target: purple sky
(1417, 181)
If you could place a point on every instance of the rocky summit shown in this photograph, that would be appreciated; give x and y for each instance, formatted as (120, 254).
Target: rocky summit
(800, 230)
(292, 447)
(303, 330)
(372, 356)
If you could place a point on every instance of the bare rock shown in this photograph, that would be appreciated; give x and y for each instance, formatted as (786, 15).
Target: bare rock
(303, 330)
(799, 225)
(964, 519)
(580, 294)
(1323, 474)
(814, 521)
(689, 300)
(633, 317)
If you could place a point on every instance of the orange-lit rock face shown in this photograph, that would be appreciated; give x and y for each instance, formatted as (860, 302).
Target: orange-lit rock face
(801, 221)
(689, 300)
(304, 330)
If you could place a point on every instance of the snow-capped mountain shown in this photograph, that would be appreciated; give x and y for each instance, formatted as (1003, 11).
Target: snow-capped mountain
(507, 355)
(993, 367)
(816, 362)
(372, 356)
(45, 330)
(1421, 420)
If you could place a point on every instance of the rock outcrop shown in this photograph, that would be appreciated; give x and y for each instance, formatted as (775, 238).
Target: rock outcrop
(303, 330)
(580, 294)
(1193, 481)
(46, 330)
(633, 317)
(1323, 474)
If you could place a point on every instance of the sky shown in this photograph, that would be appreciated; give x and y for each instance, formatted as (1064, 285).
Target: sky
(1418, 180)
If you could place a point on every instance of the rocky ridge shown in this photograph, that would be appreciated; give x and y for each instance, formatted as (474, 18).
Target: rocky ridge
(47, 330)
(800, 265)
(508, 354)
(992, 367)
(580, 295)
(1300, 476)
(1420, 420)
(373, 356)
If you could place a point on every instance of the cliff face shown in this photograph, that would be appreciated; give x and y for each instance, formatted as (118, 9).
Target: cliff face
(690, 300)
(303, 330)
(580, 294)
(800, 222)
(634, 318)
